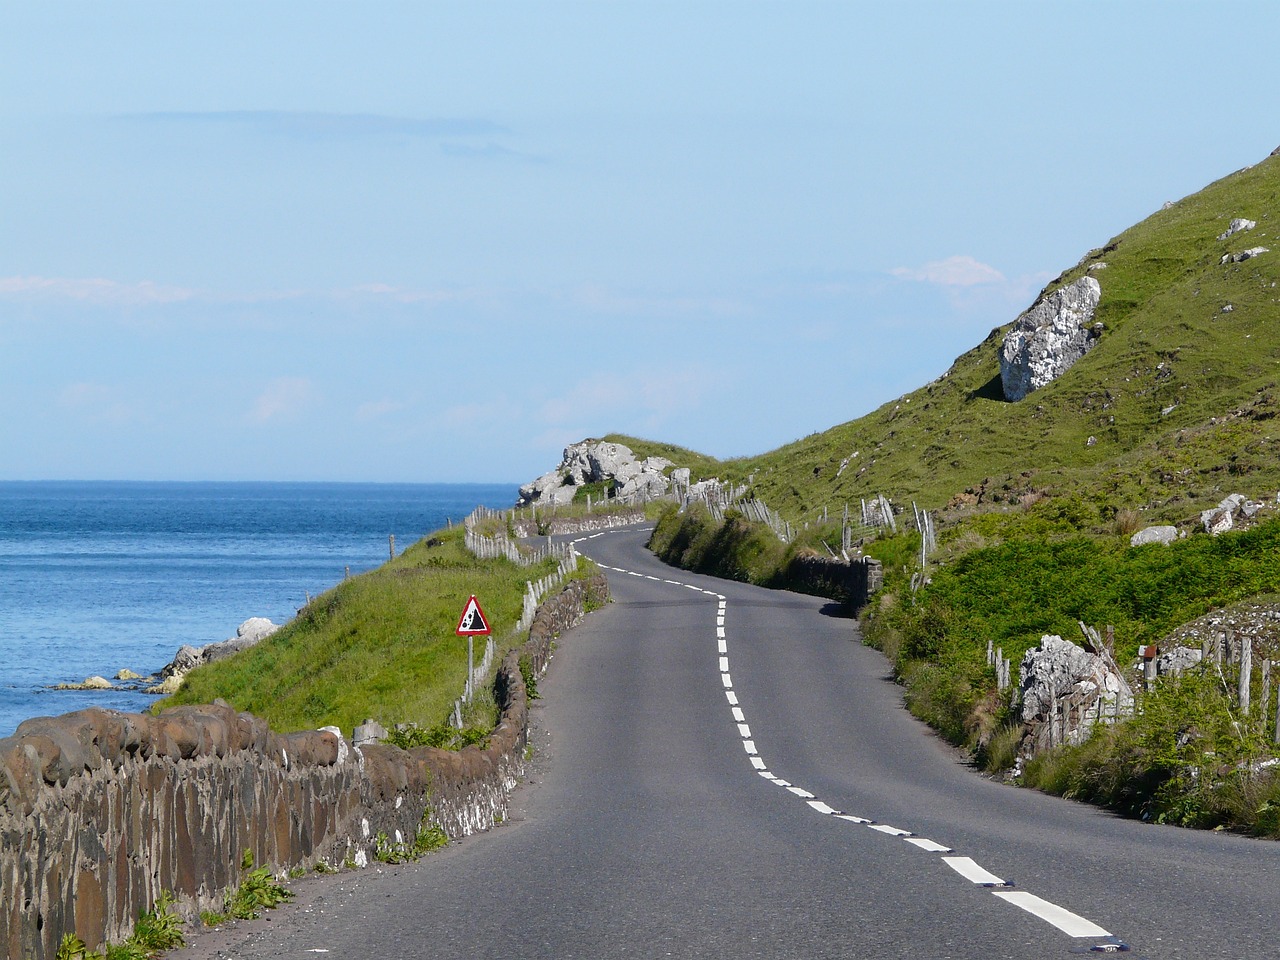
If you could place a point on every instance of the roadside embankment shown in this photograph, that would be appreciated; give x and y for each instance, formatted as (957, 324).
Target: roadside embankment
(102, 812)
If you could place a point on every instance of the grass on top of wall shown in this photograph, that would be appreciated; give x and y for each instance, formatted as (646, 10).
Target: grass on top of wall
(379, 645)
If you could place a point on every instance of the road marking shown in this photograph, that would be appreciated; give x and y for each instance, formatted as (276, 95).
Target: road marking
(1073, 925)
(925, 844)
(891, 831)
(1064, 920)
(972, 872)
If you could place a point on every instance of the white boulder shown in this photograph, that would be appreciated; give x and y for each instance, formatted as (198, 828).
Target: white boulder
(1050, 337)
(1163, 534)
(1237, 225)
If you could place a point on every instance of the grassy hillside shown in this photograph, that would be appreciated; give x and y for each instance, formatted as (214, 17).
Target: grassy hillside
(378, 645)
(1177, 392)
(1169, 412)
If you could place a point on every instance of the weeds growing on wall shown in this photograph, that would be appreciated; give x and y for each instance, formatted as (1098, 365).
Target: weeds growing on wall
(257, 891)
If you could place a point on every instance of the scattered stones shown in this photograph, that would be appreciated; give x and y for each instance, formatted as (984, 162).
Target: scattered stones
(89, 683)
(1178, 660)
(1049, 338)
(1238, 225)
(1222, 518)
(1095, 267)
(1162, 534)
(1244, 255)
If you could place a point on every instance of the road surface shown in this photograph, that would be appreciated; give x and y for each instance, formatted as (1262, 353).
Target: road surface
(725, 771)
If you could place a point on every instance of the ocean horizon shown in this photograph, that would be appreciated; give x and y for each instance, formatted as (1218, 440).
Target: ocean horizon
(102, 576)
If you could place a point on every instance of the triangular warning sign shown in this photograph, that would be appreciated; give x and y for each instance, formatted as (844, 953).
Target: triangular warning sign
(473, 622)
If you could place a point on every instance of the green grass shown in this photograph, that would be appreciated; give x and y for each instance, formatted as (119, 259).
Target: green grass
(1171, 411)
(379, 645)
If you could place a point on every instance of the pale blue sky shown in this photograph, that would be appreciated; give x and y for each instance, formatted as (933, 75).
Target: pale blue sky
(421, 241)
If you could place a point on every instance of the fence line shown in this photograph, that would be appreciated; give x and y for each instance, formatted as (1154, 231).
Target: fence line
(488, 548)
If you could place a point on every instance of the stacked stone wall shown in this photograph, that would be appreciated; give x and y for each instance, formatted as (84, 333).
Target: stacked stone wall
(851, 582)
(102, 812)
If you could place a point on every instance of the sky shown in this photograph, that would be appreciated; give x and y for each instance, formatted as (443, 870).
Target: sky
(438, 242)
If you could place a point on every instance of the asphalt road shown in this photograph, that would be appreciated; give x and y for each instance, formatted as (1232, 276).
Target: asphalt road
(725, 771)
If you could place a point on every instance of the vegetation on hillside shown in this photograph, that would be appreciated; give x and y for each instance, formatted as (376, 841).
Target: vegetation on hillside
(1171, 411)
(378, 645)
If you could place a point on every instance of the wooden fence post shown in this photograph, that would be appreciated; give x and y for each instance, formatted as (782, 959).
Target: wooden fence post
(1246, 673)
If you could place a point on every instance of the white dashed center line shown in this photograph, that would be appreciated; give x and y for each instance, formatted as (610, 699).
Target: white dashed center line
(1064, 920)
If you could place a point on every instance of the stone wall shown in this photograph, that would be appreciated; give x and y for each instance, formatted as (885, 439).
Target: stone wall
(101, 811)
(852, 582)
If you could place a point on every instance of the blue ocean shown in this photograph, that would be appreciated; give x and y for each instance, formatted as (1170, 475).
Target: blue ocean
(99, 577)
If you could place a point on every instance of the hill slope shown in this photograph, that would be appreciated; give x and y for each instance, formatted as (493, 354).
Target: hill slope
(1176, 393)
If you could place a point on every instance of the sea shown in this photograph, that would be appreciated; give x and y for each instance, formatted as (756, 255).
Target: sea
(96, 577)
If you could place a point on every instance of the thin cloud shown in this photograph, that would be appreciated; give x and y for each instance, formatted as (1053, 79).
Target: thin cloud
(92, 291)
(95, 403)
(604, 300)
(283, 399)
(377, 409)
(308, 125)
(957, 271)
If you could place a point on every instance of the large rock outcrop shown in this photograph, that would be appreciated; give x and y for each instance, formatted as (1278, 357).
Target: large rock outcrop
(1065, 690)
(1046, 340)
(598, 461)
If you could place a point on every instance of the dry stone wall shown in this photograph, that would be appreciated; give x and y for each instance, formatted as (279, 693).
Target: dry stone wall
(101, 812)
(852, 582)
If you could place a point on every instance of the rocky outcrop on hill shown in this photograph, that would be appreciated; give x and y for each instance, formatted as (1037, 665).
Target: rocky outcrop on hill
(598, 461)
(1050, 337)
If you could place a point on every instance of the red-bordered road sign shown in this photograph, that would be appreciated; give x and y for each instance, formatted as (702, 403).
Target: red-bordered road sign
(473, 622)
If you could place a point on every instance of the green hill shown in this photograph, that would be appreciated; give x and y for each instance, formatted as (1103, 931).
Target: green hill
(1176, 393)
(1166, 415)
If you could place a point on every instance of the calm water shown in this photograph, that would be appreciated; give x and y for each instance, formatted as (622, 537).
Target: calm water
(96, 577)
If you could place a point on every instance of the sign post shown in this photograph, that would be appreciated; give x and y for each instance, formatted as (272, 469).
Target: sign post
(471, 624)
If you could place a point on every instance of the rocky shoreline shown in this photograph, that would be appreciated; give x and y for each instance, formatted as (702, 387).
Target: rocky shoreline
(250, 633)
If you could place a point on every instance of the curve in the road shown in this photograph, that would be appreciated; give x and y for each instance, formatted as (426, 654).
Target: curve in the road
(1087, 936)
